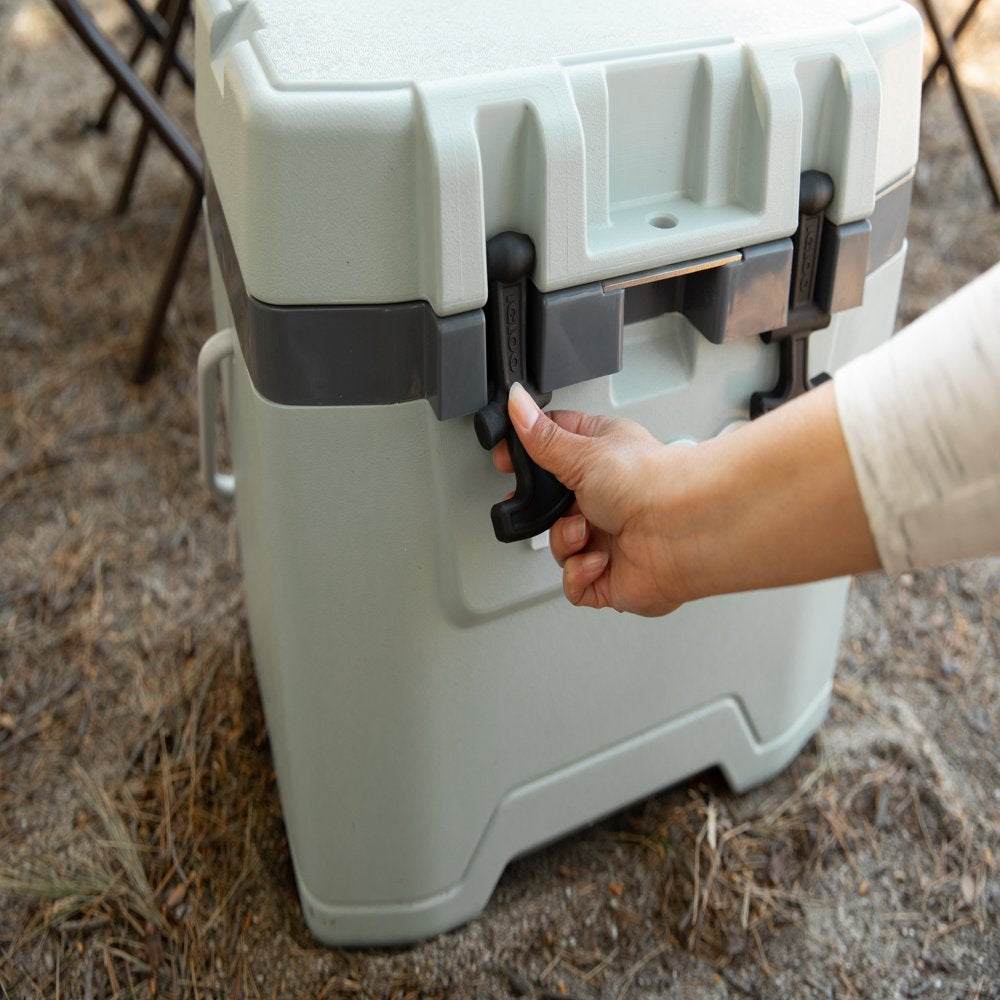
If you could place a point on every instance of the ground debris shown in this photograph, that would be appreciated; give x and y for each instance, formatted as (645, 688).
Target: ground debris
(142, 851)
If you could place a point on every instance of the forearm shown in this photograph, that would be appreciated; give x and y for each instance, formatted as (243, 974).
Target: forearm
(772, 504)
(778, 502)
(775, 503)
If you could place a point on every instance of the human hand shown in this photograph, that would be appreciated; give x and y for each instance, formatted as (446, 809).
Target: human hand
(616, 544)
(770, 504)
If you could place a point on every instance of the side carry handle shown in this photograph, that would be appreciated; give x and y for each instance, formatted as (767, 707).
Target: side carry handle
(215, 350)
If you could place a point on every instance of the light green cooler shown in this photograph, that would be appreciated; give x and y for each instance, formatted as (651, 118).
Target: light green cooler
(413, 203)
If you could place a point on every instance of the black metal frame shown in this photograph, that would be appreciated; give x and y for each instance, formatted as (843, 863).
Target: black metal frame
(156, 119)
(974, 123)
(153, 26)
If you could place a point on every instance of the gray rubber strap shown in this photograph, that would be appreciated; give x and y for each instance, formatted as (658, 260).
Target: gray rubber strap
(353, 355)
(362, 355)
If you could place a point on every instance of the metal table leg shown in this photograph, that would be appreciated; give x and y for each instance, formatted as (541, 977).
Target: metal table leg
(153, 27)
(156, 118)
(177, 14)
(137, 92)
(179, 244)
(963, 23)
(974, 123)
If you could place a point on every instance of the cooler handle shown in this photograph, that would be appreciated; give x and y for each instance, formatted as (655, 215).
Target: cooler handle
(215, 350)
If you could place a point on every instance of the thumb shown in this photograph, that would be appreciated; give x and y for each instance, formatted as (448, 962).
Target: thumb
(549, 445)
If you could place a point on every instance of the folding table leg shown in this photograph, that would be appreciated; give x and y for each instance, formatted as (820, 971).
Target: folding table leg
(168, 282)
(151, 26)
(156, 118)
(974, 123)
(963, 23)
(137, 92)
(103, 120)
(178, 14)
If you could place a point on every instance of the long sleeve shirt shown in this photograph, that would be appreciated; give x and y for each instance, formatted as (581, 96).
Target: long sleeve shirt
(921, 417)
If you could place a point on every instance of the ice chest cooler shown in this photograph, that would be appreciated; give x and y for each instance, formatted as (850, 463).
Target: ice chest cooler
(679, 178)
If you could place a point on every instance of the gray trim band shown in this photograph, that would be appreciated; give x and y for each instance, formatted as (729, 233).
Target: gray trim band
(363, 355)
(889, 219)
(353, 355)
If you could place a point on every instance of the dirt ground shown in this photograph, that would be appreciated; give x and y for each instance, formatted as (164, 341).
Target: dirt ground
(141, 846)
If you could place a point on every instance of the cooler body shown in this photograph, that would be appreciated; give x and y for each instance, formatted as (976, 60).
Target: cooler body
(434, 705)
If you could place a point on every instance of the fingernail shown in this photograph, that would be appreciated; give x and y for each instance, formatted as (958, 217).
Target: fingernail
(593, 562)
(522, 408)
(576, 528)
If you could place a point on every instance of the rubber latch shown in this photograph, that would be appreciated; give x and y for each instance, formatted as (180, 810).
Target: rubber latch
(805, 313)
(539, 499)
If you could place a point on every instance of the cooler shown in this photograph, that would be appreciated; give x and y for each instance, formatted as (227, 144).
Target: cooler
(683, 214)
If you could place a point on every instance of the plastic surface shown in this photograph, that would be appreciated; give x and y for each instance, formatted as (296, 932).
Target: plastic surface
(434, 706)
(351, 355)
(370, 166)
(358, 355)
(415, 759)
(576, 334)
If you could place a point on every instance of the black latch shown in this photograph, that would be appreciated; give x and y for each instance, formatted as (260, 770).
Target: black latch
(806, 311)
(540, 499)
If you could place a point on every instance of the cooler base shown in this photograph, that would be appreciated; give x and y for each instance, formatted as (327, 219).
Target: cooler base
(551, 806)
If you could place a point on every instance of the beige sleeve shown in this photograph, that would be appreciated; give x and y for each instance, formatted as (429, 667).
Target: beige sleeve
(921, 417)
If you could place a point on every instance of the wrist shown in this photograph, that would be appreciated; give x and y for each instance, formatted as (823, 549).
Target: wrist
(687, 494)
(774, 503)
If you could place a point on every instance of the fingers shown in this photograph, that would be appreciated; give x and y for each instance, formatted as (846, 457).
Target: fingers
(576, 423)
(501, 458)
(580, 574)
(551, 446)
(573, 421)
(585, 424)
(568, 536)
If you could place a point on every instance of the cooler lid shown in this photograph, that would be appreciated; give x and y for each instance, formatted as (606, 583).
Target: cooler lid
(364, 153)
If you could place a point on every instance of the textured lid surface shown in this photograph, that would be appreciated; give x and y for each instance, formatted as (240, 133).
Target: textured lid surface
(365, 152)
(343, 42)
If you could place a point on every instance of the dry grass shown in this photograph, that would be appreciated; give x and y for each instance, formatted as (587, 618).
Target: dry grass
(141, 846)
(159, 865)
